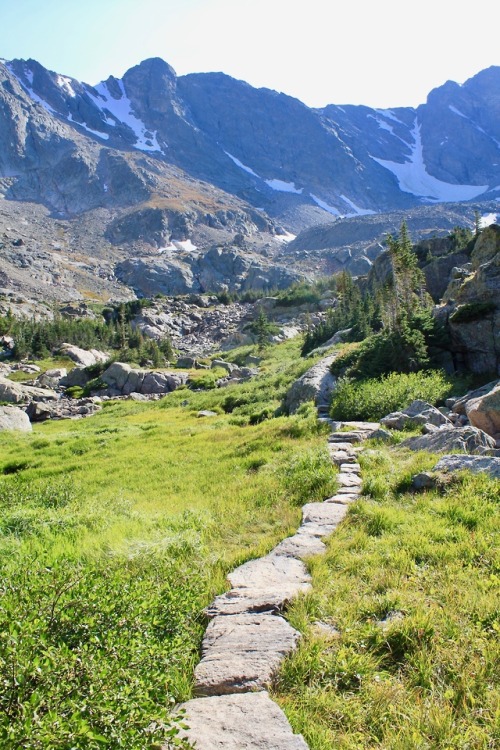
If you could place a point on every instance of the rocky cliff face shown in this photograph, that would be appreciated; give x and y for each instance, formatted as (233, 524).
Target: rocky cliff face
(473, 306)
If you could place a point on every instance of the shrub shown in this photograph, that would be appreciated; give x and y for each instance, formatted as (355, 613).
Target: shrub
(472, 311)
(374, 398)
(74, 391)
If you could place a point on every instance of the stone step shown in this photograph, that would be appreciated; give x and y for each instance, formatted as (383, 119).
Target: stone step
(342, 499)
(240, 653)
(341, 458)
(345, 479)
(320, 513)
(348, 437)
(251, 721)
(364, 426)
(351, 468)
(263, 585)
(339, 445)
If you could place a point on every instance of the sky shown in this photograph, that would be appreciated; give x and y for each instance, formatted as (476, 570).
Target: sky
(381, 53)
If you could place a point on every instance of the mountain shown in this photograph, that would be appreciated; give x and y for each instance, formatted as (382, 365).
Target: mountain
(135, 166)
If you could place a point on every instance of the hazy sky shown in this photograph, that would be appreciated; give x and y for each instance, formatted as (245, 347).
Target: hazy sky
(380, 53)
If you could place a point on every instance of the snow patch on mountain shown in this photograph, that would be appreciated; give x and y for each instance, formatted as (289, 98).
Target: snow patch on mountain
(389, 114)
(241, 165)
(413, 177)
(29, 90)
(105, 136)
(383, 125)
(457, 112)
(488, 219)
(121, 110)
(65, 84)
(284, 187)
(358, 211)
(325, 206)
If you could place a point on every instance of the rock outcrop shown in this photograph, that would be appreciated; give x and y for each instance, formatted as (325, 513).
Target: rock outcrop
(316, 385)
(417, 413)
(17, 393)
(122, 380)
(83, 357)
(473, 309)
(467, 439)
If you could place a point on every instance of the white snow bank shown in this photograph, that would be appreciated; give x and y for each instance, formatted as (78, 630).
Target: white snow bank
(413, 177)
(488, 219)
(325, 206)
(121, 110)
(241, 165)
(283, 187)
(358, 211)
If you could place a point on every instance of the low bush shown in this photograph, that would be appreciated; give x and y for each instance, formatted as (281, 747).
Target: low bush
(374, 398)
(472, 311)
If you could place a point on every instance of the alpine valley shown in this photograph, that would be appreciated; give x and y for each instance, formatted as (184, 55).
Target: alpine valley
(155, 183)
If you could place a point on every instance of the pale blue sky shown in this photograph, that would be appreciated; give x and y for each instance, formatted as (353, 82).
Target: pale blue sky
(380, 53)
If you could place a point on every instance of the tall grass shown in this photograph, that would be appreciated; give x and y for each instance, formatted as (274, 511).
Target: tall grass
(410, 582)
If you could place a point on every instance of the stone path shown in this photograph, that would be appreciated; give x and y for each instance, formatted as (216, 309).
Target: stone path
(247, 638)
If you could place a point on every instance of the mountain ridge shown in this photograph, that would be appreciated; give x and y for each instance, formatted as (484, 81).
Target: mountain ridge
(153, 159)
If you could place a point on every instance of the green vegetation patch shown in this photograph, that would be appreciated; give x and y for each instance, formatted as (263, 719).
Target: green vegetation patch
(410, 584)
(372, 399)
(472, 311)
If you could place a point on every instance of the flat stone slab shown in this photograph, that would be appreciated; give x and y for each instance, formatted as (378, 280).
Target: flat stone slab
(365, 426)
(239, 722)
(320, 513)
(300, 546)
(342, 499)
(345, 437)
(349, 490)
(353, 468)
(262, 585)
(341, 446)
(342, 457)
(345, 479)
(320, 530)
(240, 653)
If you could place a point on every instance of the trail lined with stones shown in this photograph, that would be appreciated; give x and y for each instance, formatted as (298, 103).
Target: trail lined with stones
(248, 638)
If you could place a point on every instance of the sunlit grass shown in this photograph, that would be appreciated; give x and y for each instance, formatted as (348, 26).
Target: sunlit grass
(115, 533)
(411, 582)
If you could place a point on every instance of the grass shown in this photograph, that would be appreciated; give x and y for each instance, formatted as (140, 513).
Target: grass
(411, 582)
(116, 532)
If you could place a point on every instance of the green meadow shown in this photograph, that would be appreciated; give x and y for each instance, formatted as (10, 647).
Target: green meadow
(116, 531)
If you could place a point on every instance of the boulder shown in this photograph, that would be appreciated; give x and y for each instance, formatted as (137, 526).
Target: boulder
(417, 413)
(467, 439)
(17, 393)
(51, 378)
(83, 357)
(484, 411)
(13, 418)
(476, 464)
(77, 376)
(122, 379)
(228, 366)
(317, 384)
